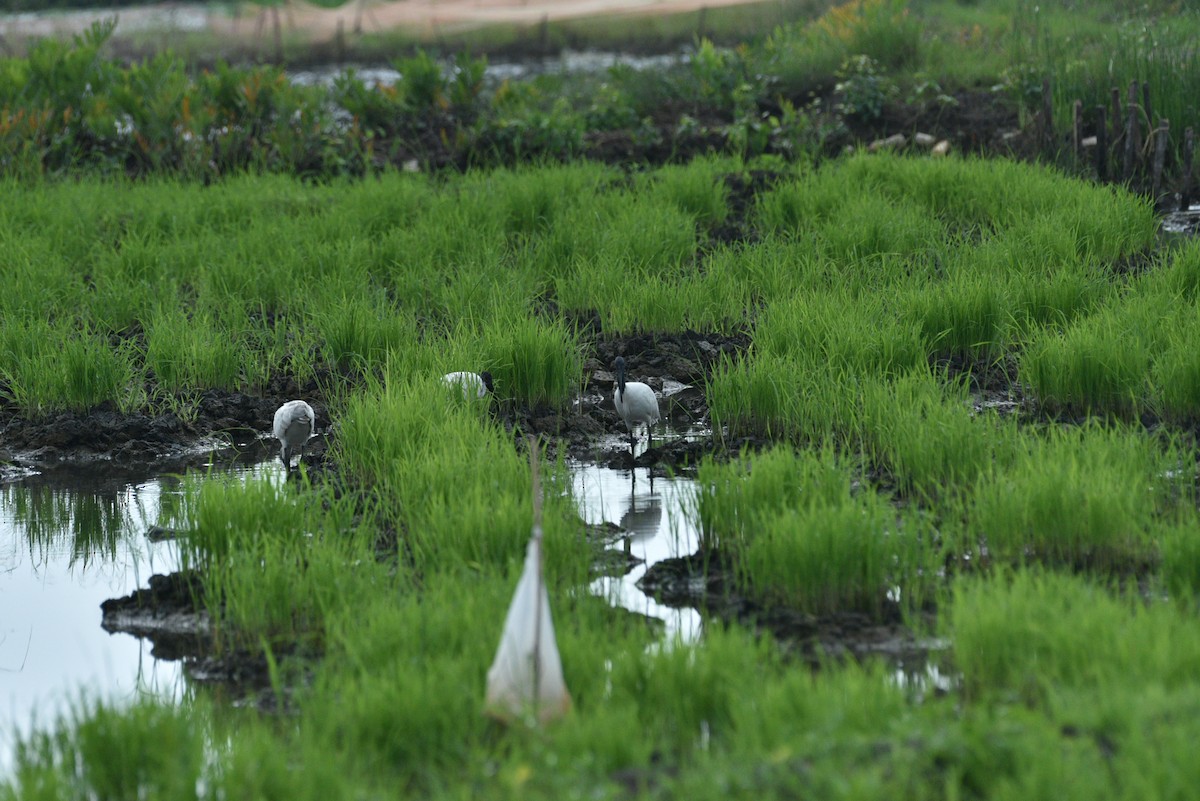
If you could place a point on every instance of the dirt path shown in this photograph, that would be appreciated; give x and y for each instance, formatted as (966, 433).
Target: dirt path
(419, 16)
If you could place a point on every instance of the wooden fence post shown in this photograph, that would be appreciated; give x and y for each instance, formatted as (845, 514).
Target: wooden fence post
(1161, 135)
(1047, 112)
(1117, 117)
(1076, 125)
(1189, 144)
(1101, 145)
(1131, 112)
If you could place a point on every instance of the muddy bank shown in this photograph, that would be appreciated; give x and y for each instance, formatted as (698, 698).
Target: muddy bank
(705, 580)
(170, 613)
(676, 365)
(106, 435)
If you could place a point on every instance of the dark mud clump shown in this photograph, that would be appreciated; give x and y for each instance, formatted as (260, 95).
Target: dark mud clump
(170, 613)
(705, 581)
(676, 366)
(106, 434)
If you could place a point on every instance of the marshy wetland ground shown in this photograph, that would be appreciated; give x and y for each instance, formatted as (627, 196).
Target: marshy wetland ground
(921, 519)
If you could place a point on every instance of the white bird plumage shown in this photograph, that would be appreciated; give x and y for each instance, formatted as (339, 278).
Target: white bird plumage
(294, 426)
(478, 384)
(636, 403)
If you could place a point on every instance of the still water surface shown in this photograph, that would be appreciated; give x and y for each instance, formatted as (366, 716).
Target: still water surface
(70, 540)
(653, 516)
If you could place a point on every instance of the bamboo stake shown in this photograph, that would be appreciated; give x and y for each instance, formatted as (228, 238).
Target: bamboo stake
(1161, 135)
(1189, 145)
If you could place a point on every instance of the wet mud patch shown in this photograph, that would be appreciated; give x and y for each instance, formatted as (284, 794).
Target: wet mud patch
(704, 580)
(675, 366)
(105, 434)
(169, 612)
(737, 227)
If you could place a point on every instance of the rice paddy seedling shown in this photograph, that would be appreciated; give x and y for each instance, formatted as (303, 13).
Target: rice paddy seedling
(533, 201)
(1178, 274)
(695, 688)
(697, 189)
(48, 367)
(1055, 300)
(798, 709)
(783, 399)
(974, 195)
(192, 352)
(448, 479)
(1084, 497)
(253, 760)
(358, 333)
(965, 317)
(800, 536)
(101, 750)
(829, 558)
(1099, 364)
(868, 226)
(647, 236)
(1175, 374)
(776, 269)
(532, 359)
(1036, 634)
(407, 677)
(1179, 545)
(273, 565)
(701, 298)
(735, 497)
(842, 330)
(793, 209)
(413, 666)
(927, 435)
(458, 240)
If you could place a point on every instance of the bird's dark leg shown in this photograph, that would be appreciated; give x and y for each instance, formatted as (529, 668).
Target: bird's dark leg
(632, 455)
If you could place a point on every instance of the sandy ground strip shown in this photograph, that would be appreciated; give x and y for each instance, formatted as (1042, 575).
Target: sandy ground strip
(419, 16)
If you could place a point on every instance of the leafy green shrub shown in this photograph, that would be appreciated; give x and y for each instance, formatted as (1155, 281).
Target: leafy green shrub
(863, 91)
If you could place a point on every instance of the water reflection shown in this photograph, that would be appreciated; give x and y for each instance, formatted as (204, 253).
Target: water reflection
(1183, 221)
(69, 540)
(567, 62)
(922, 678)
(643, 516)
(651, 516)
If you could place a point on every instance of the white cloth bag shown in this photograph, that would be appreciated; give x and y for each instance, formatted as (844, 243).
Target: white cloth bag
(526, 681)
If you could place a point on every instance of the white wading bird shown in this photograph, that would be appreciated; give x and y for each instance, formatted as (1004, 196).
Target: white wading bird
(636, 404)
(294, 425)
(479, 384)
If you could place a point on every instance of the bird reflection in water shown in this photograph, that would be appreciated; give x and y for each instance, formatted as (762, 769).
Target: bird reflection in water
(643, 515)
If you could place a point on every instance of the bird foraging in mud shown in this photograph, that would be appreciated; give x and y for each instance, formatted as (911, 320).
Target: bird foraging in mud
(294, 426)
(477, 384)
(636, 403)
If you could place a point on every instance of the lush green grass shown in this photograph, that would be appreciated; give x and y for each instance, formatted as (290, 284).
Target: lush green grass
(802, 537)
(1081, 497)
(928, 437)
